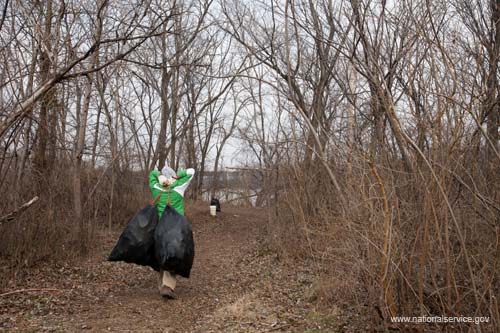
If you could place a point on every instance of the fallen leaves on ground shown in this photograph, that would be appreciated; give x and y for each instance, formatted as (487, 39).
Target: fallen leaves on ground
(237, 285)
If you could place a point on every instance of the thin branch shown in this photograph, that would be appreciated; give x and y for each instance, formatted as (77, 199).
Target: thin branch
(28, 290)
(12, 215)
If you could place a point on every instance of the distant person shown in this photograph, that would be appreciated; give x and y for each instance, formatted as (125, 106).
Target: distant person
(215, 202)
(168, 187)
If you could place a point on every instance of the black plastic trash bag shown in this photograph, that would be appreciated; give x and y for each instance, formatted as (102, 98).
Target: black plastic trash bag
(174, 245)
(215, 202)
(136, 243)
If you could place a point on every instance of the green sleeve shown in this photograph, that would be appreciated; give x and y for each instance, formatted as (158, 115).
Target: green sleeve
(153, 178)
(182, 173)
(183, 177)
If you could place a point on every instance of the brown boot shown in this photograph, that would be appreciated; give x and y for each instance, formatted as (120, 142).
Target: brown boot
(167, 292)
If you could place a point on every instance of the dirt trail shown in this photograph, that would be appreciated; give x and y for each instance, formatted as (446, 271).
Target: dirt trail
(237, 285)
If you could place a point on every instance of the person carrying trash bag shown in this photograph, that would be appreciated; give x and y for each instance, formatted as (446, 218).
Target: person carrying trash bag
(167, 188)
(136, 243)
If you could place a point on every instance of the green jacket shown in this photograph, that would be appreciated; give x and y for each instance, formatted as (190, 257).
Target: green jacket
(174, 192)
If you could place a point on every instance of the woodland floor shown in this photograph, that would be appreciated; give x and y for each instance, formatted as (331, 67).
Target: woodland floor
(237, 284)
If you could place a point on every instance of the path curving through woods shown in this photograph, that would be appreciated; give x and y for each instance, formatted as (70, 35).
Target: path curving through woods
(237, 285)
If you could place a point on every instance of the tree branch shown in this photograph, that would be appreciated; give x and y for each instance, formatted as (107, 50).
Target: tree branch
(12, 215)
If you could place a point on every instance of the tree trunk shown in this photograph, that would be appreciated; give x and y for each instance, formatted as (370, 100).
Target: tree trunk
(174, 160)
(160, 154)
(42, 133)
(492, 98)
(78, 155)
(96, 134)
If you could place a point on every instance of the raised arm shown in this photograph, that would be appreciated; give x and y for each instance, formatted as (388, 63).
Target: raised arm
(184, 178)
(153, 179)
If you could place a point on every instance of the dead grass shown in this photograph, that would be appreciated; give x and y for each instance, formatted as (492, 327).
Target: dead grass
(244, 309)
(47, 234)
(404, 258)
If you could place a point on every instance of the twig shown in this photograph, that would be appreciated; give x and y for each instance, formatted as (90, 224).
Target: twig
(12, 215)
(277, 328)
(26, 290)
(248, 168)
(242, 197)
